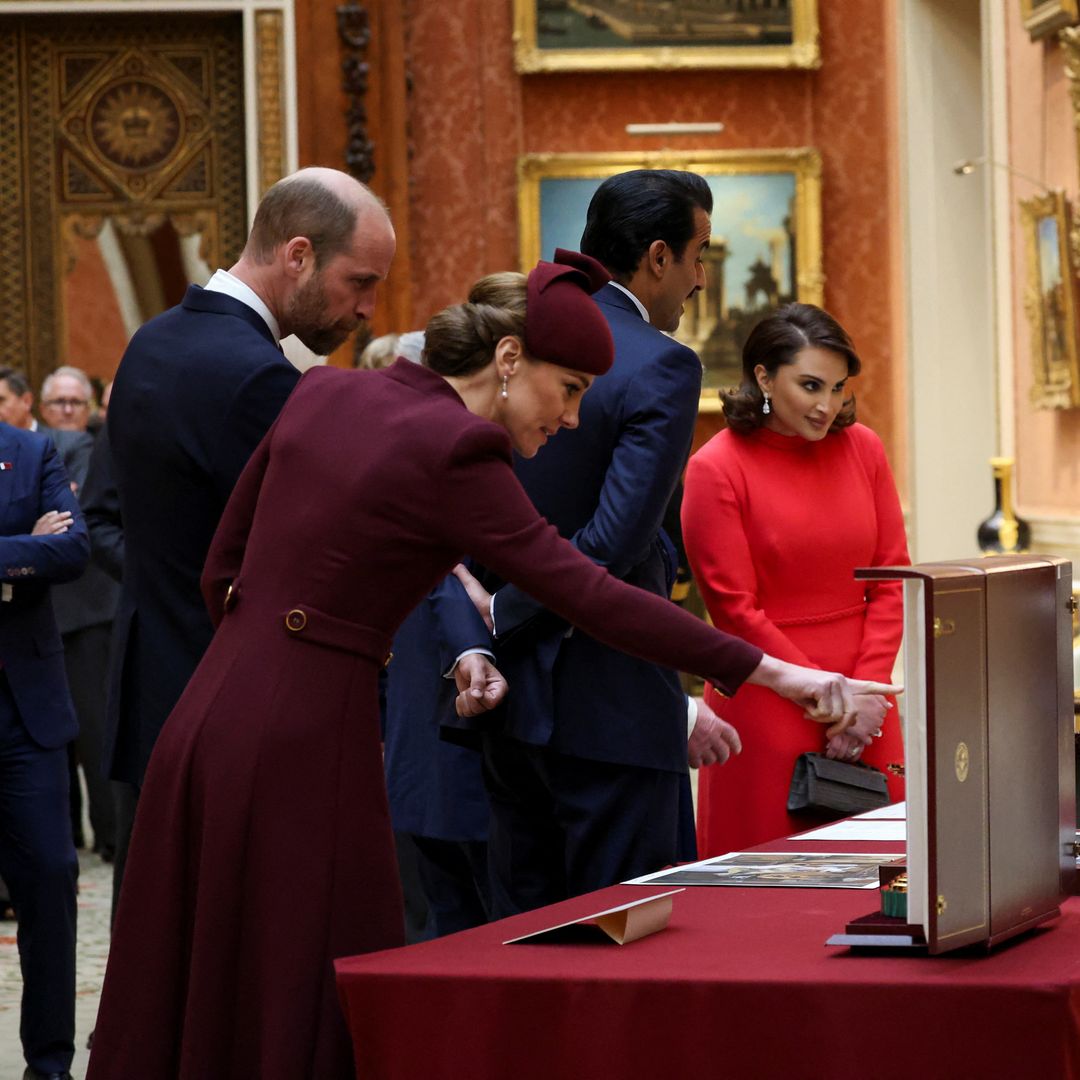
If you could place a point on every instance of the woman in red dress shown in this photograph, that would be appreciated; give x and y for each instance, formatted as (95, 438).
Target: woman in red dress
(263, 845)
(778, 511)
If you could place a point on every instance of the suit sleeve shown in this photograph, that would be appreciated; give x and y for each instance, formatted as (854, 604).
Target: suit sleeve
(460, 626)
(226, 554)
(645, 465)
(496, 522)
(714, 532)
(257, 404)
(100, 502)
(883, 628)
(48, 559)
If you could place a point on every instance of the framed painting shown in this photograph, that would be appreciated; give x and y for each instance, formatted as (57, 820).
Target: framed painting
(1043, 17)
(1050, 300)
(639, 35)
(766, 236)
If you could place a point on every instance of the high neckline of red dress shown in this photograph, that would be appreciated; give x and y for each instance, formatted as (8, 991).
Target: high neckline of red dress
(784, 442)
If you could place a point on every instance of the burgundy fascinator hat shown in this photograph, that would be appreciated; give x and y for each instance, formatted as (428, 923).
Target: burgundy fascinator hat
(563, 325)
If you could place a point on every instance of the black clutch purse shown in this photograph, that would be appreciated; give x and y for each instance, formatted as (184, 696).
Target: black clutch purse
(836, 788)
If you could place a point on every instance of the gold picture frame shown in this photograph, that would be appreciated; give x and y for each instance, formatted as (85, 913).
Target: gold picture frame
(1043, 17)
(1050, 300)
(636, 35)
(766, 246)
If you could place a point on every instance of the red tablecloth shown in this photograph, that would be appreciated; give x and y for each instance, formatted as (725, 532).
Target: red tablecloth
(740, 985)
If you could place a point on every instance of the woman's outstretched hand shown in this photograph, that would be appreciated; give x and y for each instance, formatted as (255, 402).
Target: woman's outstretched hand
(825, 696)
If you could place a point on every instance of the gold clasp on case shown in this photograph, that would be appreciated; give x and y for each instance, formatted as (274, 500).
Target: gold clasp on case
(943, 627)
(961, 761)
(942, 904)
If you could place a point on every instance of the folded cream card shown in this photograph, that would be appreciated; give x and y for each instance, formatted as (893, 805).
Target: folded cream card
(621, 924)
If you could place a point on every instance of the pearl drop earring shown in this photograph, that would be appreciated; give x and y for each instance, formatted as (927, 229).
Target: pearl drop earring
(504, 392)
(766, 408)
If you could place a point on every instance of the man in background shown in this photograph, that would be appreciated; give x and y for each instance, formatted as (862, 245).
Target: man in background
(66, 399)
(16, 400)
(42, 541)
(586, 775)
(197, 389)
(84, 612)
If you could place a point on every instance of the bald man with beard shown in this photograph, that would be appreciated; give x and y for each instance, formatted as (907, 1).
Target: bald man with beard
(196, 390)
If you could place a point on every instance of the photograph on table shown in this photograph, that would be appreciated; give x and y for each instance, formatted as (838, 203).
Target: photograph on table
(1050, 300)
(765, 248)
(1044, 17)
(637, 35)
(798, 870)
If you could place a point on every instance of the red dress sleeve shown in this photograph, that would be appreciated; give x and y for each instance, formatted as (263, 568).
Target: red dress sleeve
(714, 534)
(494, 521)
(884, 625)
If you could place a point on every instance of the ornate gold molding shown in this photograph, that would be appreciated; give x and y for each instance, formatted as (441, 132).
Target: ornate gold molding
(1051, 311)
(1043, 17)
(270, 83)
(529, 56)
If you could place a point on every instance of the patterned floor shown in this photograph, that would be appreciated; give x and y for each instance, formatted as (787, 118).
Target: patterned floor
(95, 891)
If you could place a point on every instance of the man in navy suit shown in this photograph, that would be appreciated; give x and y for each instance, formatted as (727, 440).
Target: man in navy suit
(42, 541)
(437, 802)
(197, 389)
(585, 774)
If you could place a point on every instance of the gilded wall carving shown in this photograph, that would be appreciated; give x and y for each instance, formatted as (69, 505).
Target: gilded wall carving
(136, 121)
(270, 79)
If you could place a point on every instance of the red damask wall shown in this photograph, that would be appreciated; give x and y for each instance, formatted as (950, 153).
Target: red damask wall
(471, 116)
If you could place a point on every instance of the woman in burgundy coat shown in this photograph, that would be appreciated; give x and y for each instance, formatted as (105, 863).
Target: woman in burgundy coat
(263, 847)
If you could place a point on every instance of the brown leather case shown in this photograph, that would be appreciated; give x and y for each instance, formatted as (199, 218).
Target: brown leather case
(996, 669)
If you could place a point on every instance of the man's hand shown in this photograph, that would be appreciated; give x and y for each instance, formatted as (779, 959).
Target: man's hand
(480, 685)
(480, 597)
(713, 740)
(825, 696)
(52, 523)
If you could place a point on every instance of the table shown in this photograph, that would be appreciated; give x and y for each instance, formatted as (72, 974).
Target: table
(740, 985)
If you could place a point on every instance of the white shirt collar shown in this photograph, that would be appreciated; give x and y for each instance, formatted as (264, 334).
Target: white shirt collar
(637, 303)
(224, 282)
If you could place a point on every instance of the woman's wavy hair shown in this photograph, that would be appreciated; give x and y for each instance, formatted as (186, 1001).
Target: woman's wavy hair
(773, 343)
(461, 339)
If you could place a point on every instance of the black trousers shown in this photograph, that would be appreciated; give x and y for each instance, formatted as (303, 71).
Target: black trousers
(86, 660)
(40, 867)
(454, 877)
(562, 826)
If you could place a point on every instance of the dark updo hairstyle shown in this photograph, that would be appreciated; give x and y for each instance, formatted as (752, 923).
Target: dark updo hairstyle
(773, 343)
(461, 339)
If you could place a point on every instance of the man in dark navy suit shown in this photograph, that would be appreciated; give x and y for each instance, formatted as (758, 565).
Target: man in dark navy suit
(197, 389)
(42, 541)
(586, 772)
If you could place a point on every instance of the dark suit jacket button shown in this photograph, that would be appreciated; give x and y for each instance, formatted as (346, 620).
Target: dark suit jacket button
(296, 620)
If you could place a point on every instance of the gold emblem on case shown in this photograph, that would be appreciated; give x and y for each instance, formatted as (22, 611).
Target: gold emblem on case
(962, 761)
